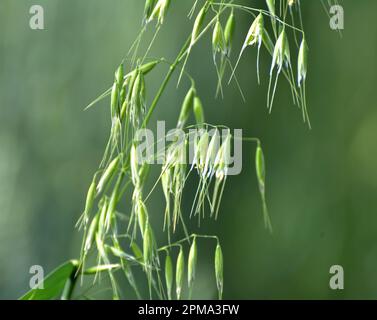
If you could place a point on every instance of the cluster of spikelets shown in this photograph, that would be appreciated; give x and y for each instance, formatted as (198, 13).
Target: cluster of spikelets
(121, 162)
(125, 241)
(211, 161)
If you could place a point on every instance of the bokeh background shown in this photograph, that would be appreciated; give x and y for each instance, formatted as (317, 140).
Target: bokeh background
(321, 183)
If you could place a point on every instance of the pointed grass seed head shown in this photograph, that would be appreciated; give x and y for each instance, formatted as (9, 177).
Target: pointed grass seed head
(147, 245)
(148, 8)
(219, 270)
(108, 173)
(212, 151)
(91, 233)
(229, 32)
(119, 74)
(187, 106)
(218, 40)
(192, 260)
(302, 62)
(134, 164)
(281, 52)
(222, 160)
(159, 11)
(201, 151)
(138, 93)
(169, 275)
(114, 99)
(198, 111)
(198, 24)
(111, 209)
(142, 216)
(144, 69)
(255, 33)
(148, 67)
(116, 129)
(180, 270)
(116, 89)
(102, 217)
(89, 201)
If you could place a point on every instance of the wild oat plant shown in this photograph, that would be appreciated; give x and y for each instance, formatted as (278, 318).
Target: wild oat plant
(117, 244)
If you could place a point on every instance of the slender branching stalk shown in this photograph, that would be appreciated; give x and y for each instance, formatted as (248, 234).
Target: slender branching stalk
(122, 243)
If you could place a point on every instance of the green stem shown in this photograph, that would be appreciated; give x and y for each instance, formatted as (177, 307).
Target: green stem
(70, 285)
(178, 243)
(172, 68)
(165, 82)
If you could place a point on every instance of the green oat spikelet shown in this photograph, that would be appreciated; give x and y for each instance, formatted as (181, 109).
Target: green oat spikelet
(180, 270)
(187, 107)
(302, 62)
(253, 37)
(192, 260)
(90, 196)
(229, 32)
(194, 35)
(169, 275)
(107, 175)
(219, 266)
(198, 111)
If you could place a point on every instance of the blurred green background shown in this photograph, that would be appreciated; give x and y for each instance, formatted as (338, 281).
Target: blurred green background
(321, 183)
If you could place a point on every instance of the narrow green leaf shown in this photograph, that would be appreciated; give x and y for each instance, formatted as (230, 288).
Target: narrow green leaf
(54, 283)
